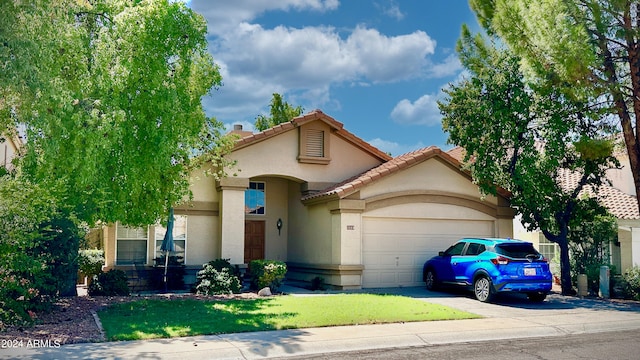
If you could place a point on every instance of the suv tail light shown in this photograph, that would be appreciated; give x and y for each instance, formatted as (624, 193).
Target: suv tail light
(500, 260)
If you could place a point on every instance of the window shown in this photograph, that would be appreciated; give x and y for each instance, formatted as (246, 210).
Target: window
(475, 249)
(179, 237)
(254, 199)
(131, 245)
(550, 250)
(455, 249)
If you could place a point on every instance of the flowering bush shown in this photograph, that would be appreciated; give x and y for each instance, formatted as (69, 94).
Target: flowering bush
(90, 262)
(267, 273)
(216, 278)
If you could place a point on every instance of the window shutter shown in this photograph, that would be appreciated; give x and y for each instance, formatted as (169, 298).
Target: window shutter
(315, 143)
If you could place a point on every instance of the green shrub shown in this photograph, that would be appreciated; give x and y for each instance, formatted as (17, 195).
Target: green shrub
(90, 262)
(217, 277)
(38, 248)
(112, 283)
(267, 273)
(631, 283)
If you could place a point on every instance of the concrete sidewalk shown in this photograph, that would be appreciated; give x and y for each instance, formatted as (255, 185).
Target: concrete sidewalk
(509, 318)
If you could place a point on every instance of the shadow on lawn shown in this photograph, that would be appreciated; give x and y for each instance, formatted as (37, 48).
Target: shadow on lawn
(188, 317)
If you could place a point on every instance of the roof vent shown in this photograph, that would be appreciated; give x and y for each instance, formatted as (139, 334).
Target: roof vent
(237, 127)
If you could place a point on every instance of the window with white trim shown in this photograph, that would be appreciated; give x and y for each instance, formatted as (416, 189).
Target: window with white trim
(254, 198)
(179, 237)
(131, 245)
(549, 250)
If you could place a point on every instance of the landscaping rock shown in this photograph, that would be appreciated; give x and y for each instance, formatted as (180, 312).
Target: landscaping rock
(265, 292)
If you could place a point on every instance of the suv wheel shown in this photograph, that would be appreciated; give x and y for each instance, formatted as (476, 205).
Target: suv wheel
(537, 296)
(483, 289)
(430, 280)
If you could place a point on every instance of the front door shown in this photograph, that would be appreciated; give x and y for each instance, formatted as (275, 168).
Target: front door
(253, 240)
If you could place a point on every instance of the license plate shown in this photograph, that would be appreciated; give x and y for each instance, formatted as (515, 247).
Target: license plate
(529, 271)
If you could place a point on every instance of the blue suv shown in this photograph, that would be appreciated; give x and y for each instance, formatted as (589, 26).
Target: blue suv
(490, 266)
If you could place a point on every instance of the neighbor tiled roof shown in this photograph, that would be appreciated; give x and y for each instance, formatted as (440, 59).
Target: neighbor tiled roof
(457, 153)
(392, 166)
(306, 118)
(620, 204)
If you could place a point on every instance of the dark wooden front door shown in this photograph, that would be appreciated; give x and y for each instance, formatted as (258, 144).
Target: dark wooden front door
(253, 240)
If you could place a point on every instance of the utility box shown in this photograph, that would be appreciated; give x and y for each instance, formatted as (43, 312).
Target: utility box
(605, 275)
(583, 285)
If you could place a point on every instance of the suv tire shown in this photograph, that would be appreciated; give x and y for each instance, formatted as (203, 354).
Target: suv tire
(430, 280)
(483, 289)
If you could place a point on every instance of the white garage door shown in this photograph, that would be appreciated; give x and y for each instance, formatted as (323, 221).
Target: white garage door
(394, 250)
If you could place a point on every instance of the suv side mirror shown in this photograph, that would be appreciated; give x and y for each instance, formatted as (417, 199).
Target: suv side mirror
(441, 253)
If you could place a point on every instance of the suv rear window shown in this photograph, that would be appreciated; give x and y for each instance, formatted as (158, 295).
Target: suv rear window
(516, 251)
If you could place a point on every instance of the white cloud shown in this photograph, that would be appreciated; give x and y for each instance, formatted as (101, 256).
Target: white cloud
(394, 148)
(423, 111)
(305, 63)
(257, 62)
(450, 66)
(391, 9)
(225, 14)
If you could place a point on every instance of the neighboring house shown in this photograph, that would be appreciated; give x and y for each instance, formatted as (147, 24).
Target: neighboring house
(618, 198)
(330, 205)
(9, 147)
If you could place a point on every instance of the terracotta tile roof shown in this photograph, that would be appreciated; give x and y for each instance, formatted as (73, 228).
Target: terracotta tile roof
(392, 166)
(620, 204)
(457, 153)
(306, 118)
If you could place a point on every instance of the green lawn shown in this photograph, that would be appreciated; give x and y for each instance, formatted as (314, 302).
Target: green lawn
(147, 319)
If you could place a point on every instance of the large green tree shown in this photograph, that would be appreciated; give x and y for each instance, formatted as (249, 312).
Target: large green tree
(109, 94)
(280, 112)
(524, 140)
(589, 48)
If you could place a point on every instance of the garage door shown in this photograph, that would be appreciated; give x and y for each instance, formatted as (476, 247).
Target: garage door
(394, 250)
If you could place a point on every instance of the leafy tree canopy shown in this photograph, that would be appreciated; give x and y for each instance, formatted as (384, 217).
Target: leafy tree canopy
(521, 138)
(280, 112)
(588, 48)
(109, 93)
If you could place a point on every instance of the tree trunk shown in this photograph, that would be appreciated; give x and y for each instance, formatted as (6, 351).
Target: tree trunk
(565, 267)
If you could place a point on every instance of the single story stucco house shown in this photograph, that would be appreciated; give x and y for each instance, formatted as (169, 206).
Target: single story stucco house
(310, 193)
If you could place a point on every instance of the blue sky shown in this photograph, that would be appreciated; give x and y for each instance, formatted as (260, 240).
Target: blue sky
(376, 66)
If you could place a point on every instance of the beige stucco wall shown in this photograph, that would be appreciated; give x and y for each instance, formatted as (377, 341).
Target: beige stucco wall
(622, 178)
(8, 150)
(203, 243)
(310, 239)
(203, 187)
(278, 155)
(432, 174)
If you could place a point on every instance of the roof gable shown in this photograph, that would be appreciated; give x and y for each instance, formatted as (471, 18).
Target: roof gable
(392, 166)
(316, 115)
